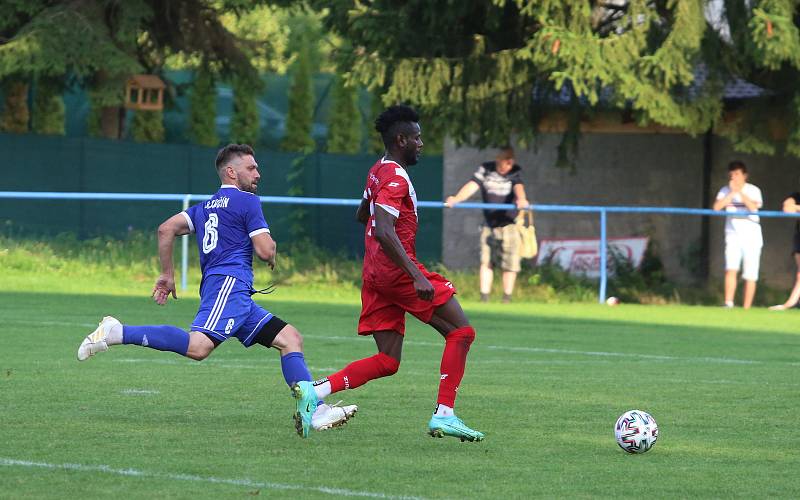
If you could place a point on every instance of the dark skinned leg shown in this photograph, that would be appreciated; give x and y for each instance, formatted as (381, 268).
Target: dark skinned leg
(390, 343)
(449, 317)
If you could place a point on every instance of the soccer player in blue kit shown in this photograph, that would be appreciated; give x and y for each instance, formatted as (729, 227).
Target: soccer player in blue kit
(230, 227)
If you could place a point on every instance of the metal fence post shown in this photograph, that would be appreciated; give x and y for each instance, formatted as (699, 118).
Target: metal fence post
(185, 249)
(603, 256)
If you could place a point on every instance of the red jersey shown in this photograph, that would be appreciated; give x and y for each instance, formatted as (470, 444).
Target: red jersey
(389, 187)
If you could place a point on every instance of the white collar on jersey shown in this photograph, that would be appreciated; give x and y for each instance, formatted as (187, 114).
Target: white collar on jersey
(384, 160)
(228, 186)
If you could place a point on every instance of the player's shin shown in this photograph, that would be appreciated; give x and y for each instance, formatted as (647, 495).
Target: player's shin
(454, 360)
(360, 372)
(159, 337)
(294, 368)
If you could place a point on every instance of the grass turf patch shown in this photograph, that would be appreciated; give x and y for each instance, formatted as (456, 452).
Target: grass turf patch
(544, 382)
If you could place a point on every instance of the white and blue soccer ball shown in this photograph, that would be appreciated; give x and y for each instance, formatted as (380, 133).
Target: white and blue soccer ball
(636, 431)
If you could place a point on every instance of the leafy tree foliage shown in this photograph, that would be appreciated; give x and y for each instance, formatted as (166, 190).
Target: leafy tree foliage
(48, 108)
(495, 70)
(147, 126)
(244, 122)
(376, 107)
(299, 119)
(203, 108)
(344, 127)
(102, 42)
(15, 114)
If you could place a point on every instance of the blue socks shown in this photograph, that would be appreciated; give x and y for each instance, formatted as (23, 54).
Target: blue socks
(160, 337)
(294, 368)
(172, 338)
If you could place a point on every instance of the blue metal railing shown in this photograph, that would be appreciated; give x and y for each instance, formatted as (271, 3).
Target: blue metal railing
(186, 199)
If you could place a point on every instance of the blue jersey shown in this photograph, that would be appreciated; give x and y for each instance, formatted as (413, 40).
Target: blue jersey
(224, 225)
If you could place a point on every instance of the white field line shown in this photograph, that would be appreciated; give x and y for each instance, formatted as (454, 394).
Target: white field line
(656, 357)
(10, 462)
(574, 352)
(139, 392)
(51, 323)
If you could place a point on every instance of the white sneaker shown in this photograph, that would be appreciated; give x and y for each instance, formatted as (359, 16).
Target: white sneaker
(330, 416)
(97, 341)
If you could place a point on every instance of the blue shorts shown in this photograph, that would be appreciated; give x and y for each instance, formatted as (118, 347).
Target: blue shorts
(228, 310)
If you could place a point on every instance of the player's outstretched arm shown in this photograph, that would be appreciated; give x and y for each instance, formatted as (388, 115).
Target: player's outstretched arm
(167, 231)
(265, 248)
(390, 243)
(467, 190)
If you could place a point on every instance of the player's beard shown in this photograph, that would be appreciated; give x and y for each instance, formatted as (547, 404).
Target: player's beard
(250, 188)
(412, 157)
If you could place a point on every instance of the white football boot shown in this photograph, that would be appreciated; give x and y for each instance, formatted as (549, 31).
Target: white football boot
(330, 416)
(97, 341)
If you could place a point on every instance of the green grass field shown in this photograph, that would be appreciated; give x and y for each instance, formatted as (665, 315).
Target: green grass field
(544, 382)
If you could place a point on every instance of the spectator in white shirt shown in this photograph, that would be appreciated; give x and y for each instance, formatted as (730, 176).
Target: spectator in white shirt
(743, 240)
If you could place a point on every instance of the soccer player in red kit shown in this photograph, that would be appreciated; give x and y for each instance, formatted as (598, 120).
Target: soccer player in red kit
(395, 282)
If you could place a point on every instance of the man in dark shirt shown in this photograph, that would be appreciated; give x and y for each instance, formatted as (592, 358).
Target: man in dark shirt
(499, 181)
(792, 205)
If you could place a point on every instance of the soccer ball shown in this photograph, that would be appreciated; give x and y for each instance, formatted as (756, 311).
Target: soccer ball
(636, 431)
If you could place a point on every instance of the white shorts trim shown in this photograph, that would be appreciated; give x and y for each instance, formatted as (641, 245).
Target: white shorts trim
(219, 304)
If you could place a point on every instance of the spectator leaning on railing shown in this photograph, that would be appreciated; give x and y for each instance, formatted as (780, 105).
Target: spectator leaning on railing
(499, 181)
(743, 240)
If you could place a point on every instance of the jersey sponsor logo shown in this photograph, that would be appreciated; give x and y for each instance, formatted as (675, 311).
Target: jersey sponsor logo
(394, 184)
(218, 203)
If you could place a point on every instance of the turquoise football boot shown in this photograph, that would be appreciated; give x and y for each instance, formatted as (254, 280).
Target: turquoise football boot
(452, 426)
(306, 398)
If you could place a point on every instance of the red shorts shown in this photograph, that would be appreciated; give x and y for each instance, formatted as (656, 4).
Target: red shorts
(384, 305)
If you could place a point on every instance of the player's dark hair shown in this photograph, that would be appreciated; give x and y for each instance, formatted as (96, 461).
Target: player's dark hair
(226, 154)
(737, 165)
(393, 120)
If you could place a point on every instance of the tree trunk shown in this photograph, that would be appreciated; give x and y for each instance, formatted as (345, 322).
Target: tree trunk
(112, 121)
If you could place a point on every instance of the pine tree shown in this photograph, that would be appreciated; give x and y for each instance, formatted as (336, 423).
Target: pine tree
(344, 126)
(506, 64)
(300, 116)
(101, 43)
(244, 122)
(15, 109)
(203, 108)
(48, 108)
(147, 126)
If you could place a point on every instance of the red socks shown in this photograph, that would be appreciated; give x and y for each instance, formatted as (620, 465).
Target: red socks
(454, 359)
(362, 371)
